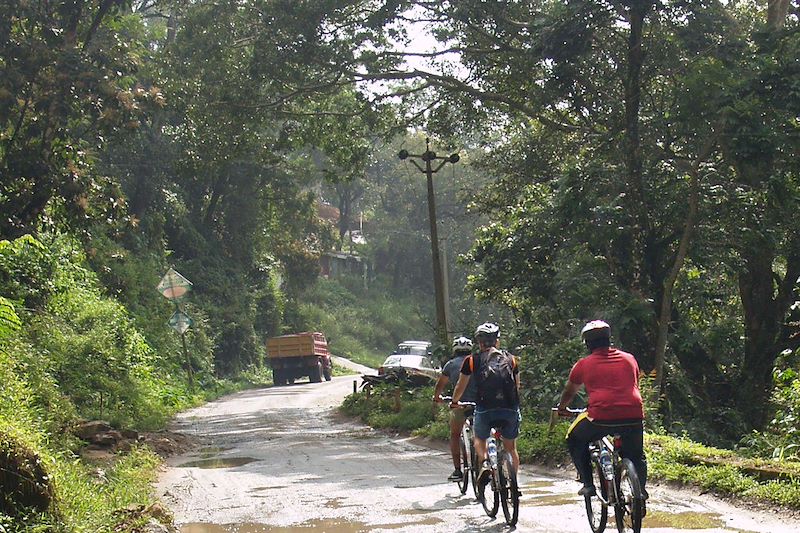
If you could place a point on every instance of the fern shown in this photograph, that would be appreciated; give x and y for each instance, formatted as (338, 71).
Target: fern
(9, 321)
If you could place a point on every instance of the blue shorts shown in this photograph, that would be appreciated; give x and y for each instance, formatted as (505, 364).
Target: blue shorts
(506, 420)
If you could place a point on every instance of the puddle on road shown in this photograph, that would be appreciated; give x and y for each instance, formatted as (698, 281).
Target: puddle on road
(230, 528)
(553, 499)
(431, 521)
(221, 462)
(210, 451)
(684, 520)
(538, 484)
(337, 503)
(328, 526)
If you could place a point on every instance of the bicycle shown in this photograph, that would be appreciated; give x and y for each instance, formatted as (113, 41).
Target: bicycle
(502, 475)
(616, 481)
(467, 445)
(503, 481)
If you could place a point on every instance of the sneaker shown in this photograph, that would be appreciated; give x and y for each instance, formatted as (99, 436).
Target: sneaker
(587, 490)
(455, 476)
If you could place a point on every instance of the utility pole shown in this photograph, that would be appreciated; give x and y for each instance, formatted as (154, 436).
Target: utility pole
(442, 320)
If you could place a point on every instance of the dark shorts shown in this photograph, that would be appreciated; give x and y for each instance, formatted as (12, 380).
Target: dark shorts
(506, 420)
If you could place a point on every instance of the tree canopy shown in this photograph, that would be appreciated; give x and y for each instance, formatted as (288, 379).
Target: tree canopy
(632, 160)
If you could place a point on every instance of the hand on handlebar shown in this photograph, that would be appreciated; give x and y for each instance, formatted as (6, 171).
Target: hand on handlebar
(567, 411)
(456, 405)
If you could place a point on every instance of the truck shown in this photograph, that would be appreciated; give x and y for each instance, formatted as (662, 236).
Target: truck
(299, 355)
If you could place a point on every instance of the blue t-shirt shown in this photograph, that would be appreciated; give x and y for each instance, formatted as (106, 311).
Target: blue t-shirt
(452, 369)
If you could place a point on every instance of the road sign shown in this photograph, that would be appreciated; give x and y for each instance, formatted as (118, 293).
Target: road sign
(173, 286)
(180, 321)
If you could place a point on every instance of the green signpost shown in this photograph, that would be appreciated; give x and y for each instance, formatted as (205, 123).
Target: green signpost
(174, 287)
(180, 321)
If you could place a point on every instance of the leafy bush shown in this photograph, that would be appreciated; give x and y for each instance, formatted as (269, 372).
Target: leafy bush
(781, 438)
(544, 371)
(539, 442)
(389, 406)
(92, 501)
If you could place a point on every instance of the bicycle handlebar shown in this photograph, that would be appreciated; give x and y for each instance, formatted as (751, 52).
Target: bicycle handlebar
(555, 413)
(570, 411)
(459, 404)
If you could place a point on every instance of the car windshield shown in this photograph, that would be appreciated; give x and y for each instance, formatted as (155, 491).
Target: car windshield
(411, 361)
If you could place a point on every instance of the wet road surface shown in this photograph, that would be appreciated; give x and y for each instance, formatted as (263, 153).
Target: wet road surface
(281, 460)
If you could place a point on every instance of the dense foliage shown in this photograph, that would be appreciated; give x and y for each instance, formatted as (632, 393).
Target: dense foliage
(647, 173)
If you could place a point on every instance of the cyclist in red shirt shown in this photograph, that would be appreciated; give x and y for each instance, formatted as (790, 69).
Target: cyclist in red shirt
(611, 378)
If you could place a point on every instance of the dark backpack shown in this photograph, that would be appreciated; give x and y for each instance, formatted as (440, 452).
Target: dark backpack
(494, 372)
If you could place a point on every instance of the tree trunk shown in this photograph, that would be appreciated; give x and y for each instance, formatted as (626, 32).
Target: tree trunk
(776, 13)
(765, 307)
(216, 193)
(680, 256)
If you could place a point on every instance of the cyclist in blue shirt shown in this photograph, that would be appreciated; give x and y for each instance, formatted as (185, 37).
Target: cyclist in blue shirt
(496, 374)
(462, 347)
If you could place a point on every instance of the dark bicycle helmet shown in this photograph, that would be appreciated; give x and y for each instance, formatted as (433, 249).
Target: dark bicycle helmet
(462, 344)
(596, 329)
(487, 330)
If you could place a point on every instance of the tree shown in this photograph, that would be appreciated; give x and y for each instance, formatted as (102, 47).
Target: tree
(68, 80)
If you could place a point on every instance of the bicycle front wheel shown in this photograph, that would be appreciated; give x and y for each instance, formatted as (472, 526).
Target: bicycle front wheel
(463, 484)
(596, 508)
(629, 508)
(491, 501)
(509, 489)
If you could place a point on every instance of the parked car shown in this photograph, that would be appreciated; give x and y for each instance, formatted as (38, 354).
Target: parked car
(418, 368)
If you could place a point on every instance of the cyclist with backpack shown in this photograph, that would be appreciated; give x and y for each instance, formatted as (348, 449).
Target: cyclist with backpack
(611, 378)
(462, 348)
(496, 376)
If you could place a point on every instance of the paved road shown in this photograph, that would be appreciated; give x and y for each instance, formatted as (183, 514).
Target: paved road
(281, 460)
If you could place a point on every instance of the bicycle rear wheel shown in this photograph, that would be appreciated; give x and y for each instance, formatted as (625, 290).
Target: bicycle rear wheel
(509, 489)
(463, 484)
(628, 510)
(596, 508)
(490, 502)
(474, 471)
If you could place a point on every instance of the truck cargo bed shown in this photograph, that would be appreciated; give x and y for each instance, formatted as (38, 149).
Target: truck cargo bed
(297, 345)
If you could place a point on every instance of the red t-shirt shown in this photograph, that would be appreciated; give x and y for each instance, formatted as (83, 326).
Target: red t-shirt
(611, 378)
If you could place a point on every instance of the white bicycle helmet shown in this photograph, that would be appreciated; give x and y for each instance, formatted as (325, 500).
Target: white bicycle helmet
(487, 330)
(596, 329)
(462, 344)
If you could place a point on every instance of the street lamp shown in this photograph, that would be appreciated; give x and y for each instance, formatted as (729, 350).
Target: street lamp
(442, 318)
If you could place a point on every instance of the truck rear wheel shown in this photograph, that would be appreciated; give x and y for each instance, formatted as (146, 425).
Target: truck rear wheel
(316, 373)
(278, 378)
(327, 372)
